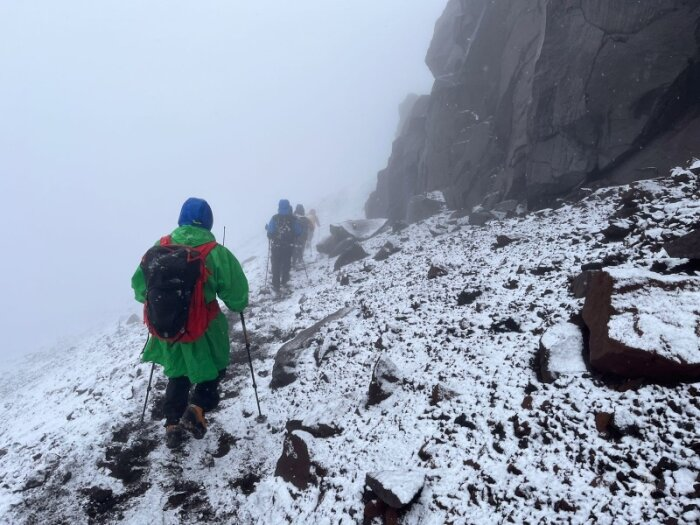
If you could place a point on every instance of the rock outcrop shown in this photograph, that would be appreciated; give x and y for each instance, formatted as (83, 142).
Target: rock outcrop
(396, 488)
(644, 325)
(532, 100)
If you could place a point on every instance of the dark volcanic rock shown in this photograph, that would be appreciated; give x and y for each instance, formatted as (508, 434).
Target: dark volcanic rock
(386, 251)
(421, 207)
(294, 465)
(355, 252)
(396, 488)
(686, 247)
(479, 218)
(536, 100)
(579, 286)
(318, 429)
(502, 241)
(644, 325)
(284, 369)
(617, 231)
(505, 325)
(385, 379)
(468, 296)
(436, 271)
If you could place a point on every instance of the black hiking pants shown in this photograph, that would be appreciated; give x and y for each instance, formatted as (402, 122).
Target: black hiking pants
(177, 394)
(281, 256)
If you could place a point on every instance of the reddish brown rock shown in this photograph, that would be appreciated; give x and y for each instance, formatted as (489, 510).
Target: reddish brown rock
(644, 325)
(294, 465)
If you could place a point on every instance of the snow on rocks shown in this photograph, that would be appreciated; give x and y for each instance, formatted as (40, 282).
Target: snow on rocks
(508, 449)
(295, 465)
(359, 229)
(396, 488)
(644, 325)
(561, 352)
(385, 380)
(686, 247)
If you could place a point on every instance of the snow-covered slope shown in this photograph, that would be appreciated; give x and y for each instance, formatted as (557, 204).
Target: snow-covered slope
(468, 412)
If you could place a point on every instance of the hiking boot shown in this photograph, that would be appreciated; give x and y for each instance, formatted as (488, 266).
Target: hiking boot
(174, 436)
(193, 421)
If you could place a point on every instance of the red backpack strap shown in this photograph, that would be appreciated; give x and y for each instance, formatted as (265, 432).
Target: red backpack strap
(205, 249)
(166, 241)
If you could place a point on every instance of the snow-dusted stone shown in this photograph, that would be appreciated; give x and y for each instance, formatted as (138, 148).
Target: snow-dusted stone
(644, 325)
(686, 247)
(479, 218)
(386, 251)
(421, 207)
(360, 230)
(396, 488)
(320, 423)
(617, 230)
(284, 368)
(436, 271)
(580, 283)
(355, 252)
(561, 352)
(294, 465)
(385, 379)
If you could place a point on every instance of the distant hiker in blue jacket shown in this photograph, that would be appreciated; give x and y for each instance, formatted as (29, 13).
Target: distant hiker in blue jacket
(284, 232)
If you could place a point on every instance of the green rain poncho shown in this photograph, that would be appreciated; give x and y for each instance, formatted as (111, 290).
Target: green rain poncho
(201, 360)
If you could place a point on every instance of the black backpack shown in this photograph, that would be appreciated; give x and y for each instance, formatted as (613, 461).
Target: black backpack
(175, 309)
(285, 229)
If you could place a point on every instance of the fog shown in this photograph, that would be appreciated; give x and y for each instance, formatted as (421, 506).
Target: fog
(113, 112)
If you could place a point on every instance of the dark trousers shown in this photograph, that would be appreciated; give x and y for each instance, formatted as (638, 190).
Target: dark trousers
(177, 394)
(281, 256)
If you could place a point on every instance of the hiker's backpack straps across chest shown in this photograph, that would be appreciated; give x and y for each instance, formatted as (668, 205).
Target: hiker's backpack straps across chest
(176, 309)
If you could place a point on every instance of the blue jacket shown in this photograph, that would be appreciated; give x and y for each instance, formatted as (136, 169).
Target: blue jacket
(283, 220)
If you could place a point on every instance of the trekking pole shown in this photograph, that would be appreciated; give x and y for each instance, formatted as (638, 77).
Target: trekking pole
(303, 263)
(252, 373)
(223, 241)
(150, 380)
(267, 265)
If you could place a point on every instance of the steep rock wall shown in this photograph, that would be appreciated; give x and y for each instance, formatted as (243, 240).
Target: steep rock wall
(534, 99)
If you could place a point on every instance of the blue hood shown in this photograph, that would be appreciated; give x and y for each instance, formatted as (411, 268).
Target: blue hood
(284, 207)
(196, 212)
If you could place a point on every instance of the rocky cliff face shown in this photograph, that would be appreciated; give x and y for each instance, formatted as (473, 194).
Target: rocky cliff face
(533, 100)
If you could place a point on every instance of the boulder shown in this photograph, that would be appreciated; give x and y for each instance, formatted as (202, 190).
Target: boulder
(580, 283)
(353, 253)
(480, 218)
(686, 247)
(436, 271)
(360, 229)
(560, 352)
(294, 465)
(509, 206)
(421, 207)
(386, 251)
(320, 423)
(617, 230)
(644, 325)
(468, 296)
(133, 319)
(502, 241)
(385, 381)
(396, 488)
(284, 369)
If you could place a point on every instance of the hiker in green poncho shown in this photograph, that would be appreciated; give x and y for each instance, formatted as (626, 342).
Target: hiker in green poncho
(189, 332)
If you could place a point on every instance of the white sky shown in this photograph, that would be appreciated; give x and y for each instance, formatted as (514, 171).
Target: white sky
(113, 112)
